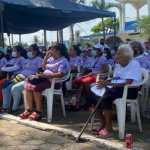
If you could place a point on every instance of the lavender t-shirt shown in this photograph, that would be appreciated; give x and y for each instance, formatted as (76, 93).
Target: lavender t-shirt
(144, 63)
(148, 57)
(96, 63)
(31, 66)
(3, 62)
(76, 61)
(111, 62)
(57, 65)
(18, 62)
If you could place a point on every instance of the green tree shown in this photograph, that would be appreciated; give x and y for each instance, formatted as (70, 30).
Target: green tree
(109, 26)
(77, 35)
(71, 27)
(144, 25)
(103, 5)
(36, 40)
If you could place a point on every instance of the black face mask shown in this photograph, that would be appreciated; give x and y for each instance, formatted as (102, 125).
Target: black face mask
(134, 52)
(102, 43)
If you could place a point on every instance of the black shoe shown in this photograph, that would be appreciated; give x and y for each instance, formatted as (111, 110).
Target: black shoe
(13, 111)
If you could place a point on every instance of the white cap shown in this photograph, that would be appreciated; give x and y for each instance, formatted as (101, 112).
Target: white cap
(98, 46)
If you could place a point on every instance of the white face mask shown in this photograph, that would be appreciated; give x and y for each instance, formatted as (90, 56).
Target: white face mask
(105, 55)
(40, 50)
(14, 54)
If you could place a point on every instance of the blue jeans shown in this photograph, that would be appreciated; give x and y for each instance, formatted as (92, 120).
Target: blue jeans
(16, 93)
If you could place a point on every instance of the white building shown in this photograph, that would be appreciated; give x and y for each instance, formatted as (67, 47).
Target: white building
(137, 4)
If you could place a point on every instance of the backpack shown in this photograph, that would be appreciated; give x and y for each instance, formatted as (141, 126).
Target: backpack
(72, 100)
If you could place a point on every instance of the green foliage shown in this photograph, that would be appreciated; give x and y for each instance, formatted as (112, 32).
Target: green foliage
(144, 25)
(102, 4)
(21, 44)
(109, 26)
(36, 40)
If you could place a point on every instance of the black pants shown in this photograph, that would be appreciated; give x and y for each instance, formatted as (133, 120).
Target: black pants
(109, 97)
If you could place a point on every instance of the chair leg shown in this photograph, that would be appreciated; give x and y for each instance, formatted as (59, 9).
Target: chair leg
(142, 106)
(138, 116)
(121, 109)
(146, 99)
(63, 105)
(133, 112)
(49, 105)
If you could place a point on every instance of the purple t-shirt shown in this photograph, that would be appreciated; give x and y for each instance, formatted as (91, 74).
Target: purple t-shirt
(3, 62)
(148, 57)
(57, 65)
(31, 66)
(84, 60)
(18, 62)
(111, 62)
(76, 61)
(144, 63)
(96, 63)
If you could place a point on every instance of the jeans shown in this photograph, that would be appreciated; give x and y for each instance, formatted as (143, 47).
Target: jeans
(16, 93)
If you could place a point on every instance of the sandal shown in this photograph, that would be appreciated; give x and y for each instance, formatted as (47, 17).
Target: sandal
(34, 117)
(4, 110)
(105, 134)
(24, 115)
(97, 130)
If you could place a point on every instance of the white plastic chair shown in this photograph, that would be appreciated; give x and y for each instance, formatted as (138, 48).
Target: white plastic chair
(121, 106)
(69, 83)
(103, 75)
(49, 94)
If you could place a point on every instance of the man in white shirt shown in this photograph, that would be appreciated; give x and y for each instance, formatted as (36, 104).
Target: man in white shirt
(102, 42)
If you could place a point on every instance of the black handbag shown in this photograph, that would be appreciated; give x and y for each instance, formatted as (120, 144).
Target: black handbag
(34, 79)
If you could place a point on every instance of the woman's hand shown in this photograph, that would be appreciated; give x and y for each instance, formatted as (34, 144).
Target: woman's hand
(102, 83)
(47, 54)
(26, 79)
(81, 74)
(92, 74)
(41, 75)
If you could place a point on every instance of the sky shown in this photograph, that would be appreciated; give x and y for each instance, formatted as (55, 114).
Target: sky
(84, 26)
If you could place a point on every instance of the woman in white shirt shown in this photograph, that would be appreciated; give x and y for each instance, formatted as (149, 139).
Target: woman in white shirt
(128, 71)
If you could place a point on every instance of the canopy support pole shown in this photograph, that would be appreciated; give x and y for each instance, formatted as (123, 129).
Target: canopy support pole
(20, 38)
(8, 34)
(61, 38)
(45, 40)
(12, 40)
(103, 26)
(115, 30)
(2, 24)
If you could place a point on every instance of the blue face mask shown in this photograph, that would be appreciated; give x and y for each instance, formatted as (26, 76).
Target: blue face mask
(112, 52)
(148, 51)
(93, 53)
(9, 48)
(29, 54)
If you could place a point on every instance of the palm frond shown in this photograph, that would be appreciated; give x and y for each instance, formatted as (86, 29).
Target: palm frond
(109, 5)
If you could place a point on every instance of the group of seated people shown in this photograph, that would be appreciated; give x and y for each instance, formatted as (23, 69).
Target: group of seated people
(127, 60)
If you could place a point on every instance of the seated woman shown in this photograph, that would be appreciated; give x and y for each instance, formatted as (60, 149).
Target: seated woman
(56, 66)
(127, 72)
(3, 60)
(108, 56)
(148, 53)
(113, 50)
(95, 65)
(15, 64)
(30, 67)
(75, 59)
(138, 52)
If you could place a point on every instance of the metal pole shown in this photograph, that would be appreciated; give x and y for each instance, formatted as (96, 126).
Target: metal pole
(61, 38)
(103, 26)
(45, 41)
(8, 34)
(2, 24)
(20, 38)
(115, 30)
(12, 40)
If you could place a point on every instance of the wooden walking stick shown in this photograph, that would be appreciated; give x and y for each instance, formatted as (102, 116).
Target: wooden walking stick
(78, 138)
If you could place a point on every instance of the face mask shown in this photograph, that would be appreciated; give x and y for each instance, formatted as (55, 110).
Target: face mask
(148, 51)
(112, 52)
(102, 43)
(29, 54)
(40, 50)
(14, 54)
(93, 53)
(9, 48)
(105, 55)
(121, 43)
(134, 52)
